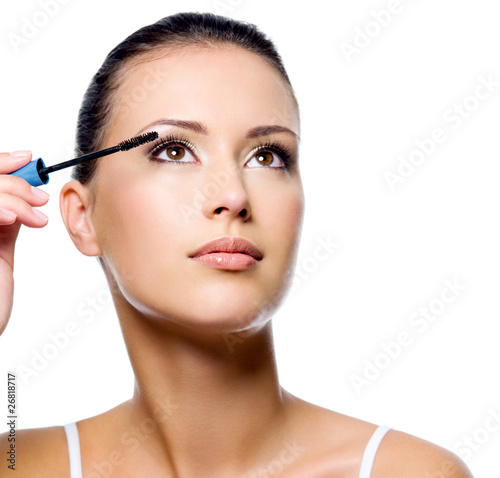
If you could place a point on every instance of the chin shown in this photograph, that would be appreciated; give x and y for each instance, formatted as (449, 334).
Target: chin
(216, 304)
(223, 313)
(223, 317)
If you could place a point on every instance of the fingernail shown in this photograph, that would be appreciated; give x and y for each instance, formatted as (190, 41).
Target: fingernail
(39, 193)
(22, 153)
(40, 214)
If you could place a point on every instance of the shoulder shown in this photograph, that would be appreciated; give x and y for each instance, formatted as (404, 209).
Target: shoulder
(36, 450)
(339, 442)
(401, 454)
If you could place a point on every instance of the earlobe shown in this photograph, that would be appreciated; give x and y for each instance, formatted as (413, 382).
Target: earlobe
(74, 203)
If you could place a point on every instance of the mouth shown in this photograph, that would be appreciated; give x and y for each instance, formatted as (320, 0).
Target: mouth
(228, 252)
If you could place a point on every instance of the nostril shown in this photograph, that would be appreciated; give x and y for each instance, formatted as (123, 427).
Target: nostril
(242, 213)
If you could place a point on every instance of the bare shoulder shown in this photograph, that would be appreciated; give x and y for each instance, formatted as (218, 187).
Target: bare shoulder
(401, 454)
(37, 452)
(339, 442)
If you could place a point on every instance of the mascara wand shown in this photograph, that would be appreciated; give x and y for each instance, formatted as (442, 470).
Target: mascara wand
(36, 173)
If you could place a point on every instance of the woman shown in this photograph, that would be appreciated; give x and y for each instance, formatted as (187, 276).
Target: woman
(197, 235)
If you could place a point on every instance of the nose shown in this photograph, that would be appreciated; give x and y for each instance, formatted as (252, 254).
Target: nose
(225, 195)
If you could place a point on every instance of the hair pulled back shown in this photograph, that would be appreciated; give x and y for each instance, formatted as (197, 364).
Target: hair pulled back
(182, 29)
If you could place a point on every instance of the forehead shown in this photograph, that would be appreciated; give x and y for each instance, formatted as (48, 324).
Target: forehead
(222, 87)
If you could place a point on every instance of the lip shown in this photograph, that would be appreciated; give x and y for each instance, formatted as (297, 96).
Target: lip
(228, 252)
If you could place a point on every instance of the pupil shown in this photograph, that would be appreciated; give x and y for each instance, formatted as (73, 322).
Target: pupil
(175, 152)
(265, 158)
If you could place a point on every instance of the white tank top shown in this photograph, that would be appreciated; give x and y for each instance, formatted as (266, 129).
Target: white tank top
(75, 460)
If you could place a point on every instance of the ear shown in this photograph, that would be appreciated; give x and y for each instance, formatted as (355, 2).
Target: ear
(74, 203)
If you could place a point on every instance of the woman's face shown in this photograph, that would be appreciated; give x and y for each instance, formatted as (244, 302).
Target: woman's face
(227, 169)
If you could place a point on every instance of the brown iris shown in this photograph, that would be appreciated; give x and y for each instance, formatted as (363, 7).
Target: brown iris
(265, 158)
(175, 152)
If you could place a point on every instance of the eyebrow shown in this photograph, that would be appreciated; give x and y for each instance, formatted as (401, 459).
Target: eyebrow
(265, 130)
(200, 128)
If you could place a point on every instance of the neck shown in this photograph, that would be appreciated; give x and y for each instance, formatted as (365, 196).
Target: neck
(212, 404)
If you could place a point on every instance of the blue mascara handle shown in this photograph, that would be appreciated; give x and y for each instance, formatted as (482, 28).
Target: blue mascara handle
(31, 173)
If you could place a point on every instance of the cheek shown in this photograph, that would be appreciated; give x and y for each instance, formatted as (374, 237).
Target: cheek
(281, 208)
(139, 217)
(147, 223)
(279, 211)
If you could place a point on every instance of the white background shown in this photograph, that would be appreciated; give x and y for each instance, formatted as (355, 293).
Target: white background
(396, 249)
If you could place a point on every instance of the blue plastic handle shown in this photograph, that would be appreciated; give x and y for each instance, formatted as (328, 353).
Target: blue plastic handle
(31, 173)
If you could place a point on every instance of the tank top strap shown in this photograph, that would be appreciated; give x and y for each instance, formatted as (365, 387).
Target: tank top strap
(75, 461)
(371, 451)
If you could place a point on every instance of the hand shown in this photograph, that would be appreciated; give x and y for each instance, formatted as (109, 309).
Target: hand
(16, 200)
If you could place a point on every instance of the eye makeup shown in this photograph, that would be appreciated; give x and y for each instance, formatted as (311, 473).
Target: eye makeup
(167, 142)
(283, 152)
(278, 148)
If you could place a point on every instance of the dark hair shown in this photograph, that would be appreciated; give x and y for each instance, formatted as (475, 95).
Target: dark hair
(182, 29)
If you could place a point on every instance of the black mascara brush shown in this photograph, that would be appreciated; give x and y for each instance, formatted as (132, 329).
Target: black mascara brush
(36, 173)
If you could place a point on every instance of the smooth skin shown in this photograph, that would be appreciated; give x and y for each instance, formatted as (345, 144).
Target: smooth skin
(207, 400)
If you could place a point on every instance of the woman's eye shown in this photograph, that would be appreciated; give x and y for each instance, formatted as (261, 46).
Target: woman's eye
(266, 158)
(176, 153)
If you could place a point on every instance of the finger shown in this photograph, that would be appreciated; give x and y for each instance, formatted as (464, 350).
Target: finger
(7, 217)
(10, 162)
(16, 186)
(25, 214)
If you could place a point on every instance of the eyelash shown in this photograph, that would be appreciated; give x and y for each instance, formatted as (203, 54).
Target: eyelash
(281, 150)
(273, 146)
(167, 141)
